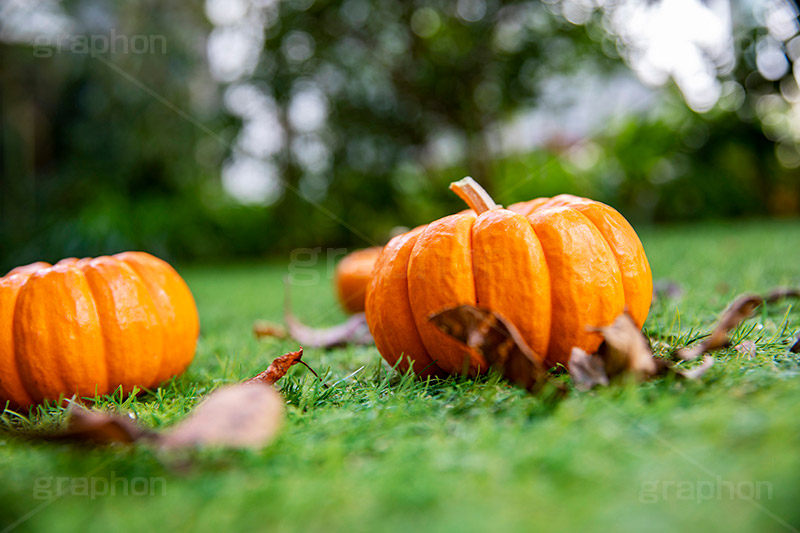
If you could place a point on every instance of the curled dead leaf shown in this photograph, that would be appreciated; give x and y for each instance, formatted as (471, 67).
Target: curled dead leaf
(264, 328)
(625, 352)
(354, 330)
(497, 340)
(247, 415)
(781, 293)
(796, 346)
(279, 367)
(98, 427)
(736, 313)
(587, 371)
(747, 348)
(237, 416)
(625, 349)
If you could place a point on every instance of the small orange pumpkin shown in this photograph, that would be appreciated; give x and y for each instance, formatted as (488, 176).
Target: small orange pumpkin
(552, 266)
(352, 275)
(88, 326)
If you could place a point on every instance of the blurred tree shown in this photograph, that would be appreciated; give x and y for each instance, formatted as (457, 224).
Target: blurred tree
(366, 108)
(92, 163)
(395, 82)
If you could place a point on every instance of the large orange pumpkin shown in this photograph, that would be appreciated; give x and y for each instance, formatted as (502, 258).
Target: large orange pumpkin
(352, 275)
(552, 266)
(88, 326)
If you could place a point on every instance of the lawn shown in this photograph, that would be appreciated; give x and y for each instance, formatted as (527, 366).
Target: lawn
(378, 452)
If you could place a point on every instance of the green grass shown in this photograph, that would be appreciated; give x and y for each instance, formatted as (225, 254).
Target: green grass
(383, 453)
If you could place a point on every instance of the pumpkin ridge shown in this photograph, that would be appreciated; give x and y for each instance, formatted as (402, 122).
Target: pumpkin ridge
(47, 372)
(432, 368)
(160, 323)
(436, 280)
(613, 254)
(471, 260)
(471, 257)
(161, 370)
(101, 323)
(25, 387)
(561, 234)
(388, 309)
(106, 385)
(632, 282)
(111, 283)
(511, 275)
(546, 267)
(176, 308)
(16, 393)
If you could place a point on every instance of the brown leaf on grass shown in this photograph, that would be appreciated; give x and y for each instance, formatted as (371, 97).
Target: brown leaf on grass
(497, 340)
(736, 313)
(97, 427)
(247, 415)
(237, 416)
(747, 348)
(625, 349)
(586, 370)
(354, 330)
(264, 328)
(625, 352)
(279, 367)
(796, 346)
(781, 293)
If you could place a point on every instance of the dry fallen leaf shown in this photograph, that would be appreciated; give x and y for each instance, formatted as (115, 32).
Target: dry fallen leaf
(625, 349)
(796, 346)
(246, 415)
(781, 293)
(736, 313)
(264, 328)
(354, 330)
(238, 416)
(98, 427)
(625, 352)
(279, 367)
(586, 370)
(747, 348)
(496, 339)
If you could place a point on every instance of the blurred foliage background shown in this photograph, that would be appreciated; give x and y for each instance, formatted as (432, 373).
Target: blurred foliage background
(236, 128)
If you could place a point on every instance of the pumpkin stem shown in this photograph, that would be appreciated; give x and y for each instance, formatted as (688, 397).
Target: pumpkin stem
(473, 195)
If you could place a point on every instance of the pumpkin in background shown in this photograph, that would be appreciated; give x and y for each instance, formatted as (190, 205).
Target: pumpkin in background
(87, 326)
(351, 277)
(552, 266)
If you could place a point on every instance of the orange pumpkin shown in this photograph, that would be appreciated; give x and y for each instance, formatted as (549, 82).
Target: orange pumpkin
(552, 266)
(89, 326)
(352, 275)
